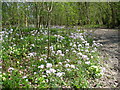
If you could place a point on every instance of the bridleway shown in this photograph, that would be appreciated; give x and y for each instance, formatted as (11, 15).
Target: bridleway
(110, 39)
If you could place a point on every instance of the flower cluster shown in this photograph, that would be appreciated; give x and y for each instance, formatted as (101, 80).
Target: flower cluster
(70, 55)
(59, 52)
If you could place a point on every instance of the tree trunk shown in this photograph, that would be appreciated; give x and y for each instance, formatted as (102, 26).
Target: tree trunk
(36, 15)
(87, 12)
(26, 21)
(113, 15)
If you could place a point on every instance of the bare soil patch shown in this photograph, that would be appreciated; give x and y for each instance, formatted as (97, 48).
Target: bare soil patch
(110, 39)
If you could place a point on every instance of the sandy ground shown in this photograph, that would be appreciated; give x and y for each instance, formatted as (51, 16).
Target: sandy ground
(110, 39)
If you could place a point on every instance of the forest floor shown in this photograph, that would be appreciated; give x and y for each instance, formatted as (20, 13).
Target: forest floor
(109, 38)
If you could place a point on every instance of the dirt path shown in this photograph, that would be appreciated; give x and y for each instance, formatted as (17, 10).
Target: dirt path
(110, 38)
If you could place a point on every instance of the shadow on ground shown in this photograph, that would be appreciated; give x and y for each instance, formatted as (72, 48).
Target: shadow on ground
(110, 39)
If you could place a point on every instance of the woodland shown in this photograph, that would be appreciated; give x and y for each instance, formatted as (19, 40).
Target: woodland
(46, 44)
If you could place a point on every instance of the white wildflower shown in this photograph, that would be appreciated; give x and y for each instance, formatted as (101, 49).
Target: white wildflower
(72, 48)
(67, 65)
(86, 50)
(32, 54)
(0, 66)
(74, 51)
(35, 72)
(41, 59)
(56, 65)
(32, 45)
(79, 62)
(68, 69)
(53, 52)
(74, 45)
(87, 62)
(26, 80)
(91, 56)
(41, 66)
(84, 56)
(87, 44)
(34, 65)
(101, 44)
(72, 66)
(62, 54)
(87, 58)
(46, 47)
(51, 47)
(70, 44)
(59, 52)
(95, 49)
(48, 71)
(60, 63)
(44, 76)
(52, 70)
(10, 69)
(80, 54)
(11, 29)
(59, 74)
(78, 49)
(24, 77)
(79, 45)
(67, 60)
(47, 80)
(49, 65)
(102, 70)
(67, 50)
(93, 41)
(82, 50)
(92, 51)
(87, 47)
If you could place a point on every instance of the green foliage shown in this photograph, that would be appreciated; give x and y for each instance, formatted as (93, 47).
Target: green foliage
(94, 71)
(70, 14)
(73, 57)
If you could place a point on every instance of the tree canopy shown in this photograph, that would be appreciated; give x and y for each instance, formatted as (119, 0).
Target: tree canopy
(62, 13)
